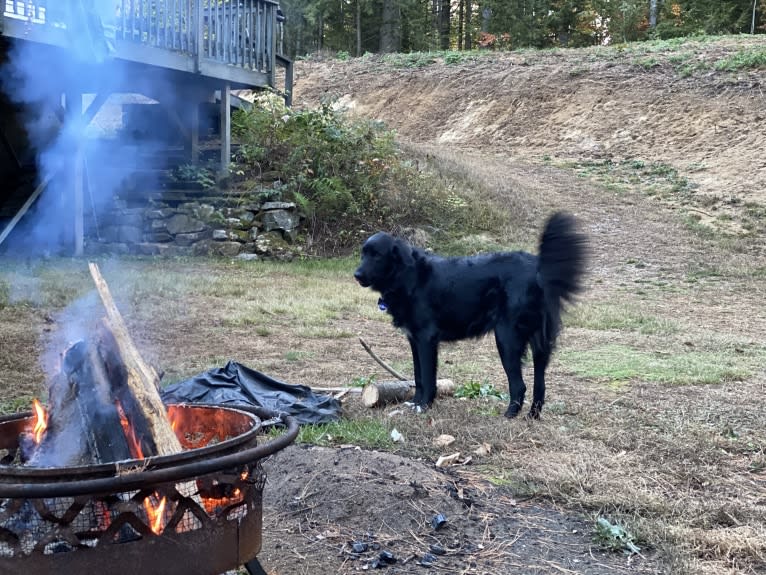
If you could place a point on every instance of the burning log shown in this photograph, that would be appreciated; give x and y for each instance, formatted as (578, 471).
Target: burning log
(92, 392)
(137, 383)
(104, 405)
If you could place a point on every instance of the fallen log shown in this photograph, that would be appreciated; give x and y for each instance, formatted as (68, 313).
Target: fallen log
(380, 393)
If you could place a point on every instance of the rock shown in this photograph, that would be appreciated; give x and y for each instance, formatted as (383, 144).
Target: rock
(158, 225)
(183, 224)
(158, 237)
(150, 249)
(272, 244)
(121, 234)
(158, 214)
(185, 240)
(130, 217)
(248, 257)
(227, 249)
(279, 220)
(203, 212)
(220, 235)
(278, 206)
(201, 248)
(241, 236)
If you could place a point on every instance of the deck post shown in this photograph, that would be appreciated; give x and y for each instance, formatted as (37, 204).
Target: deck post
(77, 171)
(225, 128)
(194, 133)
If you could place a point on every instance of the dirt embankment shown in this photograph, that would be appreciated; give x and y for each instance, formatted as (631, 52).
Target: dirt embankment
(670, 105)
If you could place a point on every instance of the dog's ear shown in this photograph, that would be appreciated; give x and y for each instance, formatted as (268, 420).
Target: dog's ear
(401, 252)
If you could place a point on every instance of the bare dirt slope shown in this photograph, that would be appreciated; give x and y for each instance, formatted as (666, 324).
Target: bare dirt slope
(663, 104)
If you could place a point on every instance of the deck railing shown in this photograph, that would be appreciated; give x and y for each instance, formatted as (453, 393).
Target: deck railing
(240, 33)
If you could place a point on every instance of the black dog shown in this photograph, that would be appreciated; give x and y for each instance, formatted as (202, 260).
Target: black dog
(516, 294)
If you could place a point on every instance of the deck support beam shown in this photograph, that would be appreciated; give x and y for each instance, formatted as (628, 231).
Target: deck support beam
(78, 121)
(194, 133)
(225, 128)
(76, 172)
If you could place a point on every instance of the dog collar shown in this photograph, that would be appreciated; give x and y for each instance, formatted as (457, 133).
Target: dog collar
(382, 305)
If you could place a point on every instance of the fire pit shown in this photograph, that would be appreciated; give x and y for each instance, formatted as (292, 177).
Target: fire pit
(198, 511)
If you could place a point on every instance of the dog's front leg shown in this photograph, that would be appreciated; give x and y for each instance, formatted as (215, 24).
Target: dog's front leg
(425, 355)
(416, 399)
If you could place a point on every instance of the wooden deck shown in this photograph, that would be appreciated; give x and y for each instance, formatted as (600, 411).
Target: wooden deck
(231, 40)
(180, 53)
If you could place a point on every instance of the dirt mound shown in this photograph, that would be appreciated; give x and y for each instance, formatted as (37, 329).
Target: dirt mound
(675, 105)
(338, 510)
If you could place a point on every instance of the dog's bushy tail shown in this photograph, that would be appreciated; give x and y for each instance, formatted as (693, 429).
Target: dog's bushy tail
(561, 265)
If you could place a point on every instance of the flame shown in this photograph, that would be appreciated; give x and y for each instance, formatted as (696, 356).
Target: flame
(41, 423)
(156, 514)
(130, 433)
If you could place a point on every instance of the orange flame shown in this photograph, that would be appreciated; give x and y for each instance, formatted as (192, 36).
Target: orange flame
(155, 514)
(130, 433)
(41, 423)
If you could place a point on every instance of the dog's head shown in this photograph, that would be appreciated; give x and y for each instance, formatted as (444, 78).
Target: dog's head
(383, 256)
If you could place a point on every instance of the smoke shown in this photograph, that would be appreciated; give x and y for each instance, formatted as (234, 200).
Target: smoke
(54, 86)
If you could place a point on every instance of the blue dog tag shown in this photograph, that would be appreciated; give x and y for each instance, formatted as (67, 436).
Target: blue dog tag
(382, 305)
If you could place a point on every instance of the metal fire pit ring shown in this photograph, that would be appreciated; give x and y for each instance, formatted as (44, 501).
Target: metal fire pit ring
(18, 481)
(89, 519)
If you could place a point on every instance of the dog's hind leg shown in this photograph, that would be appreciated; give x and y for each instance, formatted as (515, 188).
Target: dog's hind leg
(511, 347)
(541, 358)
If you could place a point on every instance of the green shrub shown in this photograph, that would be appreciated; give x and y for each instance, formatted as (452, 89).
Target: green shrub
(346, 175)
(331, 167)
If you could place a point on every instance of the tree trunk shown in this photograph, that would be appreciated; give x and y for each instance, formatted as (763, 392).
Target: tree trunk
(390, 28)
(460, 10)
(358, 28)
(486, 16)
(468, 43)
(320, 32)
(444, 24)
(653, 14)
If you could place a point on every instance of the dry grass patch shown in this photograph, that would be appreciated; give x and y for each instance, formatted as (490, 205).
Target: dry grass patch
(680, 467)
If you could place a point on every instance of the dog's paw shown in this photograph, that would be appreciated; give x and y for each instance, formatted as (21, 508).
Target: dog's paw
(410, 404)
(513, 410)
(420, 408)
(534, 411)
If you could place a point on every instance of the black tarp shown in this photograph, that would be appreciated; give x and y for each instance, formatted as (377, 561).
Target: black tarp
(237, 384)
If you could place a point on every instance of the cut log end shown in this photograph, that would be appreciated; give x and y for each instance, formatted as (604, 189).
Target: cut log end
(381, 393)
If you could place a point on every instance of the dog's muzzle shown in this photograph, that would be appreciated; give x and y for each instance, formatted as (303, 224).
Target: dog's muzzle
(361, 279)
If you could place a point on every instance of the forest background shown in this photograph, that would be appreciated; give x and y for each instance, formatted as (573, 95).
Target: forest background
(356, 27)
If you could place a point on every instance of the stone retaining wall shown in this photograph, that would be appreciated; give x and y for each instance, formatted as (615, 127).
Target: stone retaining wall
(180, 225)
